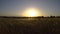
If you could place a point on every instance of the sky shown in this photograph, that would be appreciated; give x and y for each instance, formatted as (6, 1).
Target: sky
(15, 7)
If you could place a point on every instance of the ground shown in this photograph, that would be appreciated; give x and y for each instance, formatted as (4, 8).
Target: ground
(29, 25)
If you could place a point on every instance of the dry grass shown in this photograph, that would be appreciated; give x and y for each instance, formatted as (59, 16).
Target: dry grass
(30, 26)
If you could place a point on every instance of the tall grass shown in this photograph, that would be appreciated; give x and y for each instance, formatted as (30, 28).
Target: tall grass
(30, 26)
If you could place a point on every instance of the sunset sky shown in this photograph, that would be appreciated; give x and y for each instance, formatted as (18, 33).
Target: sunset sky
(16, 7)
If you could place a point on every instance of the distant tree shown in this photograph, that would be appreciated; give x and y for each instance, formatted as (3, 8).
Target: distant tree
(51, 16)
(40, 16)
(57, 16)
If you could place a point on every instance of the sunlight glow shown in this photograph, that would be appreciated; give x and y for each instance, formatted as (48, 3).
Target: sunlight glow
(31, 12)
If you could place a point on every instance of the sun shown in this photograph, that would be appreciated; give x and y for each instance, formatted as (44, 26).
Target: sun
(31, 12)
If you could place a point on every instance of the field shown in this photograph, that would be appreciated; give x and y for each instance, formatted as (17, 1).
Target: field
(29, 25)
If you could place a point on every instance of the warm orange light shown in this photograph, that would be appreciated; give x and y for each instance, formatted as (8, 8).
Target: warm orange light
(31, 12)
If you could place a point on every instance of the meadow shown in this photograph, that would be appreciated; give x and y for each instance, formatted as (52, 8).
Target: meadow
(29, 25)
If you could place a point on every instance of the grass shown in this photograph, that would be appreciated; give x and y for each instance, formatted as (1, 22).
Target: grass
(30, 26)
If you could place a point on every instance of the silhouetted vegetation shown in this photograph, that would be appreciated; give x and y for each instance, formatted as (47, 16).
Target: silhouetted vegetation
(30, 25)
(30, 17)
